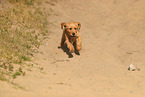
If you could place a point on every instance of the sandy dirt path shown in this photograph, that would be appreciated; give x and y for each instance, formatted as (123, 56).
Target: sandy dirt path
(113, 37)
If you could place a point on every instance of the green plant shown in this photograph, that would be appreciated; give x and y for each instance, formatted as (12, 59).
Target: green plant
(28, 2)
(22, 28)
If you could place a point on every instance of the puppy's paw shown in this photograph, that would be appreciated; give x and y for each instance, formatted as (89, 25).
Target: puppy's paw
(70, 55)
(59, 46)
(77, 52)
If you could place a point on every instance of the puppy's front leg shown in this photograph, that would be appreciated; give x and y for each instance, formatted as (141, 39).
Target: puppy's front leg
(78, 44)
(70, 46)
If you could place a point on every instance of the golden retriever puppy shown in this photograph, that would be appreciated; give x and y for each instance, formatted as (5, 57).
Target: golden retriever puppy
(71, 36)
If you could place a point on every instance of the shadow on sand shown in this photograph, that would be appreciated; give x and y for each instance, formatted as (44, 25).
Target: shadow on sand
(66, 50)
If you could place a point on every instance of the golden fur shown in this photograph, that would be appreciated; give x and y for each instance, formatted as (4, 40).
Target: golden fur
(71, 36)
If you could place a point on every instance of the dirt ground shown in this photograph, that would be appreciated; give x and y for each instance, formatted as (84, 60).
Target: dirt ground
(113, 35)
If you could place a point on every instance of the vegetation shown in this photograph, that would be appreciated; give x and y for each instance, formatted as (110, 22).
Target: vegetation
(22, 28)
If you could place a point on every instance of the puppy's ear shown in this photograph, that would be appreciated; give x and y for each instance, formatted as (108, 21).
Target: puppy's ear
(79, 25)
(63, 25)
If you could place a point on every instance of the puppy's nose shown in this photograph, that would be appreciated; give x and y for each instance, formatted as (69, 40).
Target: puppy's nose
(73, 34)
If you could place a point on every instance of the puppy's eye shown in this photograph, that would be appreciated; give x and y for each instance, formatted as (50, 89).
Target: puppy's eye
(75, 28)
(70, 28)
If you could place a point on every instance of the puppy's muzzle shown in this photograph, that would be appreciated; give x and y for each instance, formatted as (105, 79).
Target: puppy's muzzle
(73, 35)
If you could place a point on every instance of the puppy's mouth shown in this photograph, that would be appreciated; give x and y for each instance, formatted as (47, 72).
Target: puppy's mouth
(73, 36)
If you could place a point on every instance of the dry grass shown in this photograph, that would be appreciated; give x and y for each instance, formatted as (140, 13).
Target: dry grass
(27, 2)
(21, 29)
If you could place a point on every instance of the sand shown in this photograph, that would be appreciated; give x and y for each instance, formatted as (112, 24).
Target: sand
(113, 38)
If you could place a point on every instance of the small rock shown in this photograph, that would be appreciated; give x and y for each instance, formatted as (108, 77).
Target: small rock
(133, 68)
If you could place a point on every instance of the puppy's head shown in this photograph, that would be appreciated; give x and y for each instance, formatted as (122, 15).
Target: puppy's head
(71, 28)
